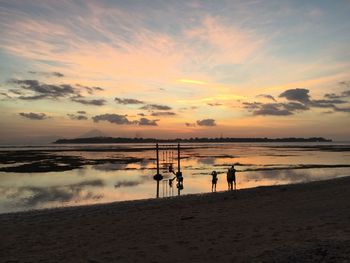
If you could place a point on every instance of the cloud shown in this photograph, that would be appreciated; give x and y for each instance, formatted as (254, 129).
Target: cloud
(300, 95)
(35, 97)
(294, 106)
(344, 94)
(39, 90)
(90, 90)
(113, 118)
(147, 122)
(81, 112)
(4, 94)
(14, 91)
(34, 116)
(94, 102)
(332, 96)
(127, 101)
(77, 117)
(266, 96)
(57, 74)
(214, 104)
(188, 124)
(123, 120)
(47, 74)
(155, 107)
(206, 122)
(274, 109)
(163, 113)
(326, 103)
(188, 108)
(299, 100)
(34, 90)
(250, 106)
(230, 44)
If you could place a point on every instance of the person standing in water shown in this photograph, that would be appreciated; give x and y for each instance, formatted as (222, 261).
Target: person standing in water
(231, 177)
(214, 180)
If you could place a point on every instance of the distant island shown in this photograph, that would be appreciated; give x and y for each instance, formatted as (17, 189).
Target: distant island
(190, 140)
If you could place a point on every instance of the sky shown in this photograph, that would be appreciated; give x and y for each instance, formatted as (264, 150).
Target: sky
(170, 69)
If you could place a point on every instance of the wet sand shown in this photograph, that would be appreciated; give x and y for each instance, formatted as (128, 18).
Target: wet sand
(294, 223)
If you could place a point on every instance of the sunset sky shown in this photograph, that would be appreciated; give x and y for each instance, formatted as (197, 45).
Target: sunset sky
(172, 69)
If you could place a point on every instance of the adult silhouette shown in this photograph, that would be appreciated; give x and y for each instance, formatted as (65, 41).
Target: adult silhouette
(214, 180)
(231, 177)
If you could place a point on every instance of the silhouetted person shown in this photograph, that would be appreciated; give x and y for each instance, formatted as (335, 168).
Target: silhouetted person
(231, 177)
(171, 182)
(214, 180)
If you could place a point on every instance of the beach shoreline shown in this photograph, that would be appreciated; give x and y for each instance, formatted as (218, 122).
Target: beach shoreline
(306, 222)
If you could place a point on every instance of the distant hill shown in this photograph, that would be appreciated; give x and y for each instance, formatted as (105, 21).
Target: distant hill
(153, 140)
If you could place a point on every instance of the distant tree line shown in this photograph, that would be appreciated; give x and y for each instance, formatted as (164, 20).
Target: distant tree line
(196, 139)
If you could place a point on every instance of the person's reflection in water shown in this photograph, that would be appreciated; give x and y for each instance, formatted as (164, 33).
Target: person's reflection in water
(214, 180)
(231, 177)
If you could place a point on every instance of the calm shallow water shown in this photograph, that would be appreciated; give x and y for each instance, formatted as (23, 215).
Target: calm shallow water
(257, 165)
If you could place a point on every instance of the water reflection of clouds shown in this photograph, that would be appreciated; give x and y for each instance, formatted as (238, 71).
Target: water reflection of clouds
(207, 160)
(32, 196)
(107, 167)
(146, 163)
(125, 183)
(110, 167)
(280, 175)
(293, 175)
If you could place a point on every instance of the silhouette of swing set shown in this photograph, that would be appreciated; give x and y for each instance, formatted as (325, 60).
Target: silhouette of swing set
(167, 155)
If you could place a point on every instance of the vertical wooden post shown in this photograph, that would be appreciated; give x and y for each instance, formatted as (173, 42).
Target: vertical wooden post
(178, 164)
(178, 157)
(157, 151)
(166, 188)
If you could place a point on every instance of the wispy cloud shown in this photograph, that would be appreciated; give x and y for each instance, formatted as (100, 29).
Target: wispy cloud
(113, 118)
(94, 102)
(189, 124)
(147, 122)
(301, 95)
(35, 90)
(123, 120)
(127, 101)
(298, 100)
(163, 113)
(206, 122)
(34, 116)
(214, 104)
(77, 117)
(155, 107)
(41, 90)
(47, 74)
(266, 96)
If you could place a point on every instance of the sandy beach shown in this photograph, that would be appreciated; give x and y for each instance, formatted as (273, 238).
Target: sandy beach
(292, 223)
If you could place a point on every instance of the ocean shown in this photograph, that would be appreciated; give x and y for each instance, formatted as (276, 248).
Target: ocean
(49, 176)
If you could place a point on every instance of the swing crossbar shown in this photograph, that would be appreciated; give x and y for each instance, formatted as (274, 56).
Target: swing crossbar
(167, 146)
